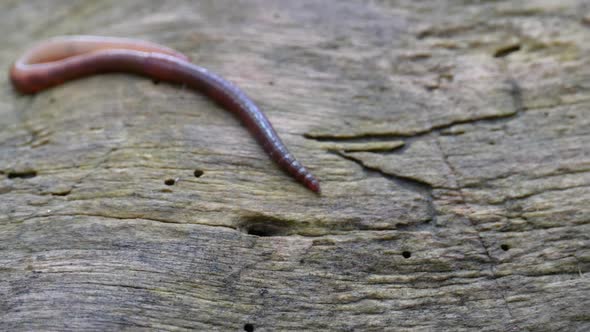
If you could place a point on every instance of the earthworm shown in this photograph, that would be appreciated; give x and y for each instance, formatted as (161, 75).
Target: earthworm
(61, 59)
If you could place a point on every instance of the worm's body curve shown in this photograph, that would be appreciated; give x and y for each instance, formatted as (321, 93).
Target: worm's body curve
(61, 59)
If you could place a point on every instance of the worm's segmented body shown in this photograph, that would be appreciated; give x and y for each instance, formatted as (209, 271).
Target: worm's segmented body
(65, 58)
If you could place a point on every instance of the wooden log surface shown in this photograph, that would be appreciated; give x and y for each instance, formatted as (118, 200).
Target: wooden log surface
(451, 137)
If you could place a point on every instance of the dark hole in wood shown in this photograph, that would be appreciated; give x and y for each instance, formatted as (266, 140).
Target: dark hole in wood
(198, 173)
(505, 247)
(22, 174)
(261, 230)
(265, 226)
(156, 82)
(249, 327)
(169, 182)
(504, 51)
(407, 254)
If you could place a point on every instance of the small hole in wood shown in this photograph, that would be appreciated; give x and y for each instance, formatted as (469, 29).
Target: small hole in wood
(169, 182)
(505, 247)
(407, 254)
(198, 173)
(504, 51)
(249, 327)
(156, 82)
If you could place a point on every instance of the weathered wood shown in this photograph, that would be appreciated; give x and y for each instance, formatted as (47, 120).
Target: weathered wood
(452, 138)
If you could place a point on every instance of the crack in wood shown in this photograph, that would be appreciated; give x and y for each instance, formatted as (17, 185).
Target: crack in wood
(425, 188)
(415, 185)
(517, 100)
(493, 118)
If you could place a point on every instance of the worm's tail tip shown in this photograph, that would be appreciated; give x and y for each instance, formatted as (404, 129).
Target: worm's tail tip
(315, 187)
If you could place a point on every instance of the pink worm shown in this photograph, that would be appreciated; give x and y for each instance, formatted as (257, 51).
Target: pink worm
(61, 59)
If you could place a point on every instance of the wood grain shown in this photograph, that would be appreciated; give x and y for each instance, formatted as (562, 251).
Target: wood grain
(451, 137)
